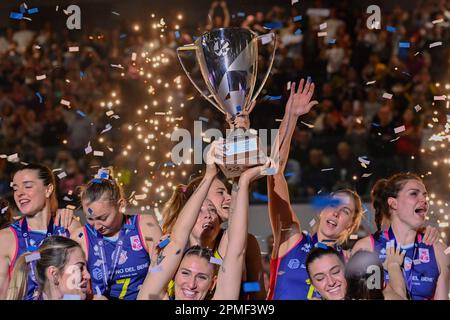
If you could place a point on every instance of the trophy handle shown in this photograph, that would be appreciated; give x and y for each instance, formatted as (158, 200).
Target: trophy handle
(193, 47)
(272, 58)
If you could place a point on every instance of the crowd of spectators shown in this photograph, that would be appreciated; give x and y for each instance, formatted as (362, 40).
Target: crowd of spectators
(353, 121)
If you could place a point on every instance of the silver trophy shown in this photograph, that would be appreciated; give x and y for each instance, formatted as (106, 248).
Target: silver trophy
(228, 62)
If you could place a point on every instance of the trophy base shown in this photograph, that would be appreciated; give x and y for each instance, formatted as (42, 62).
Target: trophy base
(238, 153)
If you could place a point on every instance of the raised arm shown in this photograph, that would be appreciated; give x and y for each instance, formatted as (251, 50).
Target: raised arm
(7, 247)
(396, 289)
(155, 283)
(230, 273)
(284, 222)
(226, 14)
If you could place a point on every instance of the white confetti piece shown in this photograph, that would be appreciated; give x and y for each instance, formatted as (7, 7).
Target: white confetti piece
(363, 160)
(37, 47)
(370, 82)
(65, 102)
(62, 175)
(312, 223)
(41, 77)
(107, 128)
(266, 38)
(115, 116)
(327, 169)
(70, 207)
(439, 98)
(322, 34)
(307, 124)
(32, 257)
(116, 13)
(323, 26)
(393, 140)
(13, 157)
(353, 237)
(109, 113)
(98, 153)
(133, 56)
(387, 95)
(88, 149)
(437, 21)
(436, 44)
(74, 49)
(288, 85)
(294, 2)
(214, 260)
(399, 129)
(57, 8)
(3, 156)
(110, 149)
(417, 108)
(366, 175)
(140, 196)
(443, 225)
(4, 210)
(117, 66)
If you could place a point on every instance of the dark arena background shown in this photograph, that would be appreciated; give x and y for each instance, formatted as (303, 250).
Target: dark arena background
(112, 92)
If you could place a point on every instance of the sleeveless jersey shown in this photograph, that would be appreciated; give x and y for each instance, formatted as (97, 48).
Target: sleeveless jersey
(288, 276)
(131, 266)
(35, 240)
(420, 268)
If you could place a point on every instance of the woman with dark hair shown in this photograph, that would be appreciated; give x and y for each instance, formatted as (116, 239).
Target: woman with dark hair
(401, 203)
(59, 268)
(194, 271)
(118, 247)
(35, 197)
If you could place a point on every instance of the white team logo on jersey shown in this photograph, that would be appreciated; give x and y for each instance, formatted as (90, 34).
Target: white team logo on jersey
(136, 244)
(293, 264)
(407, 263)
(424, 255)
(97, 274)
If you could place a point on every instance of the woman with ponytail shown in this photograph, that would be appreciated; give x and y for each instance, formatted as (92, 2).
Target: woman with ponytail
(401, 203)
(118, 247)
(59, 267)
(35, 197)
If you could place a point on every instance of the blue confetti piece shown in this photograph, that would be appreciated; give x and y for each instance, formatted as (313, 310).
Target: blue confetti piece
(332, 41)
(33, 10)
(241, 14)
(289, 174)
(81, 113)
(259, 196)
(251, 287)
(31, 248)
(164, 243)
(297, 18)
(16, 15)
(22, 8)
(391, 29)
(82, 74)
(273, 25)
(376, 125)
(39, 97)
(404, 44)
(320, 202)
(238, 108)
(298, 32)
(271, 98)
(321, 245)
(177, 34)
(97, 181)
(123, 35)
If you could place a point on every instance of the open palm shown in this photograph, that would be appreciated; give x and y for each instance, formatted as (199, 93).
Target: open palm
(299, 102)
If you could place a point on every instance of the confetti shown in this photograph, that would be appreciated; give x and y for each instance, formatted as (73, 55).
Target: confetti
(439, 98)
(140, 197)
(273, 25)
(88, 149)
(39, 97)
(437, 21)
(98, 153)
(3, 211)
(271, 98)
(417, 108)
(62, 175)
(71, 297)
(109, 113)
(294, 2)
(107, 128)
(71, 207)
(133, 56)
(323, 26)
(298, 32)
(119, 66)
(393, 140)
(214, 260)
(266, 38)
(177, 34)
(404, 44)
(74, 49)
(13, 158)
(116, 13)
(391, 29)
(288, 85)
(312, 222)
(65, 102)
(297, 18)
(366, 175)
(363, 160)
(327, 169)
(353, 237)
(16, 15)
(41, 77)
(33, 10)
(443, 225)
(387, 95)
(307, 124)
(370, 82)
(81, 113)
(320, 202)
(241, 14)
(32, 257)
(251, 287)
(332, 41)
(164, 243)
(399, 129)
(322, 34)
(260, 197)
(436, 44)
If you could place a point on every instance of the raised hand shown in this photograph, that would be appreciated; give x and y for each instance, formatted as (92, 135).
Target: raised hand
(431, 235)
(299, 102)
(394, 256)
(211, 167)
(64, 218)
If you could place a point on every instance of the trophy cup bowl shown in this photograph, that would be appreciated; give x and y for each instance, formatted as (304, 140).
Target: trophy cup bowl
(228, 62)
